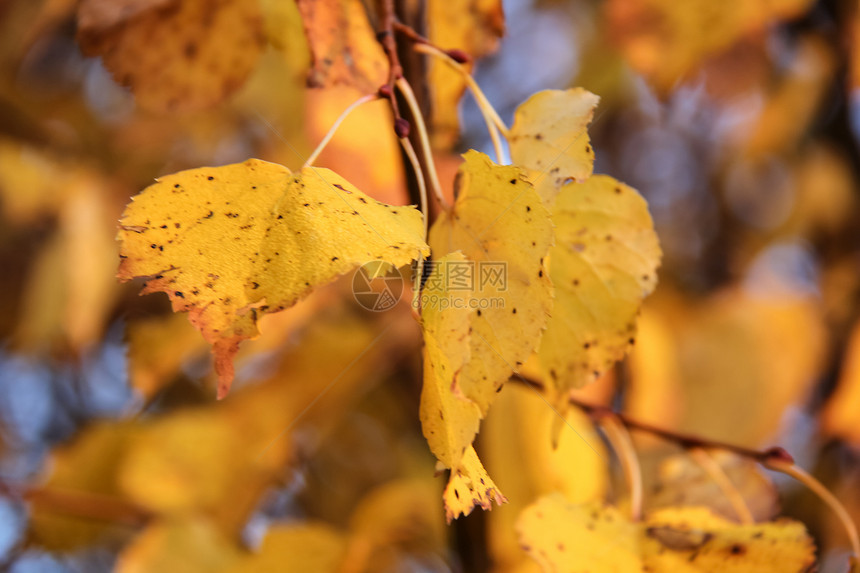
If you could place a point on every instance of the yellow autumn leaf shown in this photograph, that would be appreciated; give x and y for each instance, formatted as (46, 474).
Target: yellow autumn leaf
(229, 244)
(311, 547)
(175, 55)
(190, 544)
(344, 49)
(549, 137)
(174, 465)
(517, 451)
(740, 359)
(395, 522)
(472, 26)
(30, 183)
(603, 264)
(469, 486)
(157, 349)
(654, 378)
(565, 537)
(449, 420)
(500, 224)
(839, 417)
(569, 538)
(694, 540)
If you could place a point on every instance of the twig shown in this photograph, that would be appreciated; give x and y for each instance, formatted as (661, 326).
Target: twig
(395, 71)
(683, 440)
(89, 505)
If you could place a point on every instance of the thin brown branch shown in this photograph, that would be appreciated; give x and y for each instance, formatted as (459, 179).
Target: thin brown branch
(455, 54)
(89, 506)
(386, 38)
(686, 441)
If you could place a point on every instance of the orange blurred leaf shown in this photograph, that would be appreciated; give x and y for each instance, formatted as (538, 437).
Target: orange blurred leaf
(174, 55)
(344, 50)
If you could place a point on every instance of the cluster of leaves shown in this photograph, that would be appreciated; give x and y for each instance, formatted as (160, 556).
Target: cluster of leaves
(236, 246)
(230, 244)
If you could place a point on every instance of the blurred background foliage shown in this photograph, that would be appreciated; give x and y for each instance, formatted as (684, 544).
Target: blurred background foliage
(738, 121)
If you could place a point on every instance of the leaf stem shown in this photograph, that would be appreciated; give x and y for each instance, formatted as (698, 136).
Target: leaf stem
(419, 175)
(422, 190)
(325, 140)
(414, 108)
(716, 473)
(483, 103)
(619, 439)
(789, 468)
